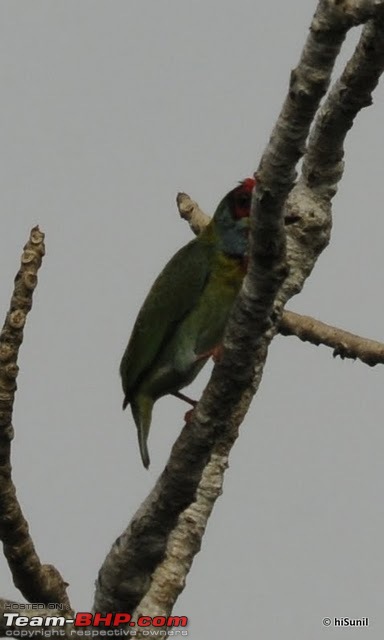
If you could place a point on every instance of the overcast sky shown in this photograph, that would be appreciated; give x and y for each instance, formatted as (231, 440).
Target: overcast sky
(107, 110)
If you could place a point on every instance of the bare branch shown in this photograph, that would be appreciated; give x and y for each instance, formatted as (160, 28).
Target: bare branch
(323, 166)
(344, 343)
(359, 11)
(190, 211)
(37, 582)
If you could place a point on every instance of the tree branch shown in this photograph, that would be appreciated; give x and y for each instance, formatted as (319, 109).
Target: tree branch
(344, 343)
(190, 211)
(37, 582)
(323, 166)
(147, 565)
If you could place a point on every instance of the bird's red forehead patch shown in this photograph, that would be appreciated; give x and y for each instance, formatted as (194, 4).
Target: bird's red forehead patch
(241, 198)
(248, 184)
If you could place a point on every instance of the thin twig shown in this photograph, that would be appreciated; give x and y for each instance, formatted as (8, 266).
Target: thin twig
(344, 343)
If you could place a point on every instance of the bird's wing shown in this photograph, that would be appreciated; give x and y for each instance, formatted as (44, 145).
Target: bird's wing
(174, 292)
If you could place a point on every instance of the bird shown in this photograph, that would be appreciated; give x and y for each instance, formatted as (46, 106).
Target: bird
(182, 320)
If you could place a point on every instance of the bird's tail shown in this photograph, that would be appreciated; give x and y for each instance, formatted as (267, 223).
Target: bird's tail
(142, 414)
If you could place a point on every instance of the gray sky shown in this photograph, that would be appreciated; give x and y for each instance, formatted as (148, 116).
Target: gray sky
(107, 110)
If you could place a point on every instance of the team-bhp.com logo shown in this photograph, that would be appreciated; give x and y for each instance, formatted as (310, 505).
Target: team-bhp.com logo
(109, 621)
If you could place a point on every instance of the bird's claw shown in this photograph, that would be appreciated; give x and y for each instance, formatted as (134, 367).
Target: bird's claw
(188, 416)
(216, 354)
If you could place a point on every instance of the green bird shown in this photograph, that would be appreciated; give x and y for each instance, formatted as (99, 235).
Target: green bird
(183, 318)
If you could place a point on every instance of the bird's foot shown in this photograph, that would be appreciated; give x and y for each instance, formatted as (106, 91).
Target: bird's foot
(216, 354)
(185, 398)
(188, 416)
(182, 396)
